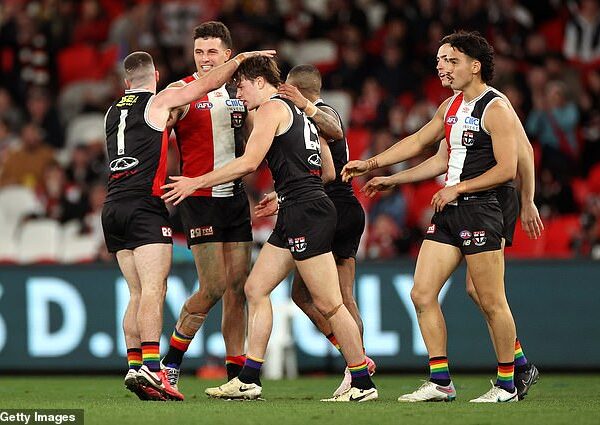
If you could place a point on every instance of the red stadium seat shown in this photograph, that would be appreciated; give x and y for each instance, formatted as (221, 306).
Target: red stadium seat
(421, 199)
(594, 179)
(558, 235)
(523, 247)
(358, 140)
(581, 191)
(84, 62)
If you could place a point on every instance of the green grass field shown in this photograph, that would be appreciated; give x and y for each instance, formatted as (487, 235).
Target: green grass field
(556, 399)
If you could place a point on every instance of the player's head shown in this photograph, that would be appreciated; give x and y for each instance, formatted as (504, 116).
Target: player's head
(212, 45)
(256, 79)
(139, 70)
(307, 79)
(443, 66)
(472, 57)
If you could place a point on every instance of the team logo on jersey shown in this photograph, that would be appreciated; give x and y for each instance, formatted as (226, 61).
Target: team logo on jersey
(235, 105)
(123, 163)
(315, 159)
(237, 119)
(451, 120)
(204, 104)
(167, 232)
(468, 138)
(479, 238)
(127, 100)
(471, 123)
(431, 229)
(465, 234)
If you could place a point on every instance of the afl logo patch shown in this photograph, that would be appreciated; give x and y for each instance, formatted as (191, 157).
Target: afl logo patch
(465, 234)
(123, 163)
(204, 105)
(451, 120)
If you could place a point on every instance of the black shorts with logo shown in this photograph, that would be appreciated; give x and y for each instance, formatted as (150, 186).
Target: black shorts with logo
(305, 228)
(349, 229)
(225, 219)
(132, 222)
(509, 202)
(472, 227)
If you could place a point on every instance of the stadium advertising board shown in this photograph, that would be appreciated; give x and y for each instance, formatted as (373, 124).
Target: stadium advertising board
(69, 318)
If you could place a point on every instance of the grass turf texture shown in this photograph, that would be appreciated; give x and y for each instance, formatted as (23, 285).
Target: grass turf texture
(556, 399)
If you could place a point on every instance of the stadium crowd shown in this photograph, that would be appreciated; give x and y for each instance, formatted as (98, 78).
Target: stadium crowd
(59, 64)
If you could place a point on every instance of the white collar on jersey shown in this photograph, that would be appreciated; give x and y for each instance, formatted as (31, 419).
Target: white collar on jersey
(137, 91)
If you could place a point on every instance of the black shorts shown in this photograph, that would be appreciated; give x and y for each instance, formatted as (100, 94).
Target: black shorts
(474, 228)
(305, 228)
(509, 202)
(132, 222)
(349, 229)
(207, 219)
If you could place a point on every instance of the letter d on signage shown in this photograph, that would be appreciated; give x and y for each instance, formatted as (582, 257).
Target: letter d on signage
(41, 291)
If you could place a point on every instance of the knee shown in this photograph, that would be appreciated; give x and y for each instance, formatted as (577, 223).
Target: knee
(212, 292)
(299, 297)
(472, 293)
(421, 298)
(253, 292)
(491, 306)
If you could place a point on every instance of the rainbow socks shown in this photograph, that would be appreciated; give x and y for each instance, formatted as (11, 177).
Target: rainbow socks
(360, 376)
(505, 379)
(439, 373)
(520, 359)
(234, 365)
(250, 373)
(134, 358)
(177, 347)
(151, 355)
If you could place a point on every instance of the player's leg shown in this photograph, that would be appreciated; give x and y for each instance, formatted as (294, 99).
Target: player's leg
(130, 327)
(435, 264)
(152, 263)
(320, 276)
(233, 325)
(487, 272)
(304, 301)
(209, 258)
(271, 267)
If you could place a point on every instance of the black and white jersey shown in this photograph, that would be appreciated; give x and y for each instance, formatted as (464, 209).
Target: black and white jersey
(294, 158)
(137, 150)
(340, 153)
(469, 143)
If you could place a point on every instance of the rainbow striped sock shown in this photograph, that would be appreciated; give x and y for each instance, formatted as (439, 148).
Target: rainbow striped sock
(520, 359)
(151, 355)
(180, 341)
(134, 358)
(360, 376)
(331, 337)
(234, 365)
(250, 373)
(439, 373)
(505, 379)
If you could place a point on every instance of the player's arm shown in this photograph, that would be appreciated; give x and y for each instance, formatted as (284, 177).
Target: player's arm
(499, 121)
(327, 166)
(176, 113)
(174, 97)
(268, 120)
(407, 148)
(428, 169)
(329, 126)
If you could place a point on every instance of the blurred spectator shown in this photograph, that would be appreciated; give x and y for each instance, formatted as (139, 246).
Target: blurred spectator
(394, 72)
(62, 201)
(79, 171)
(553, 121)
(554, 195)
(582, 42)
(299, 21)
(342, 13)
(92, 24)
(587, 244)
(367, 105)
(25, 164)
(8, 111)
(352, 70)
(8, 140)
(41, 112)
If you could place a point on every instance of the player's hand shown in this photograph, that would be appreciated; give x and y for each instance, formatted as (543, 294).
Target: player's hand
(180, 189)
(354, 168)
(267, 206)
(240, 57)
(292, 93)
(377, 184)
(443, 197)
(530, 220)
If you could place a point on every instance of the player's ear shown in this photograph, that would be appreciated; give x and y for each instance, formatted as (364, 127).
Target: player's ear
(260, 82)
(476, 67)
(157, 75)
(127, 83)
(227, 54)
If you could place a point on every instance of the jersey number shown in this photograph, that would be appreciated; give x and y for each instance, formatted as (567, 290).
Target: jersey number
(121, 132)
(311, 136)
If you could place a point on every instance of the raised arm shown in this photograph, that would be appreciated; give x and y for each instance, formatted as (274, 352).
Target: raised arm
(328, 123)
(407, 148)
(269, 118)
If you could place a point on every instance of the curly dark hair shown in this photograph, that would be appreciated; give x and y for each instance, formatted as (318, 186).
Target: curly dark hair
(214, 29)
(475, 46)
(259, 66)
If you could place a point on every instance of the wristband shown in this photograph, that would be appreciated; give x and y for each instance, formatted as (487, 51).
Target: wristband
(310, 110)
(237, 61)
(372, 164)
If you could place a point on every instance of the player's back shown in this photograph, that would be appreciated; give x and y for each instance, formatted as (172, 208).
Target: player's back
(137, 150)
